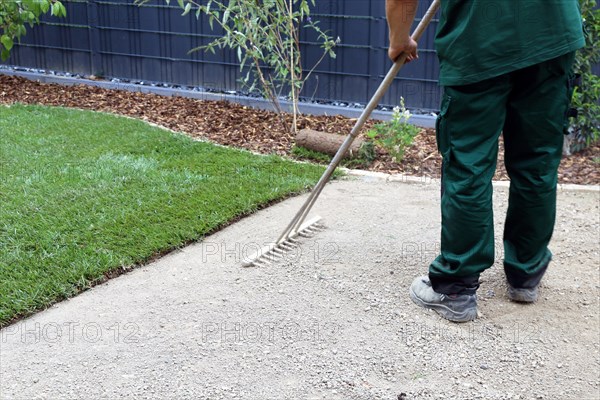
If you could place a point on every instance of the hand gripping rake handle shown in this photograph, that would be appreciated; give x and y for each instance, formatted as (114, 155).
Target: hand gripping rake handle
(298, 219)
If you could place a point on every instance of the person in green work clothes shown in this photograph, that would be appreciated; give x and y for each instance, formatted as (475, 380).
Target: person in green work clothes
(504, 68)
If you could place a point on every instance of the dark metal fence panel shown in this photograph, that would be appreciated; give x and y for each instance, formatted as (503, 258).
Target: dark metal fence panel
(115, 38)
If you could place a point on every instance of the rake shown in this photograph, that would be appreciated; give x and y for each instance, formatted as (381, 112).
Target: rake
(297, 227)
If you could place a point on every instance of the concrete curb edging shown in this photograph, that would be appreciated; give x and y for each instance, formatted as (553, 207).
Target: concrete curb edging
(424, 121)
(425, 180)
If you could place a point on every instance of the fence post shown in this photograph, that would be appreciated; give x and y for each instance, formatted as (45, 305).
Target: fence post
(94, 37)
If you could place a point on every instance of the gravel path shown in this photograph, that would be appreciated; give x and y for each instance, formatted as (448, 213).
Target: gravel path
(333, 321)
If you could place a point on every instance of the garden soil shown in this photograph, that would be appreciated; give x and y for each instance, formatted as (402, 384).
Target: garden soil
(257, 130)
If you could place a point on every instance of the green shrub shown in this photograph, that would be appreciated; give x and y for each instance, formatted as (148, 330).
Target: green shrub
(585, 128)
(395, 135)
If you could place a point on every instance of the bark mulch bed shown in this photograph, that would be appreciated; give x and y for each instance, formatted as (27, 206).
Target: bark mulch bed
(257, 130)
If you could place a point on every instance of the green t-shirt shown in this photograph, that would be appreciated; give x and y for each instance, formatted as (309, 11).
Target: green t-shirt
(481, 39)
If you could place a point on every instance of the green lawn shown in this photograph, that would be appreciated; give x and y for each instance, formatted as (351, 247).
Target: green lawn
(84, 193)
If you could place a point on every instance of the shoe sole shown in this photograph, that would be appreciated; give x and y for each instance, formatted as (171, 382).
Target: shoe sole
(444, 311)
(522, 297)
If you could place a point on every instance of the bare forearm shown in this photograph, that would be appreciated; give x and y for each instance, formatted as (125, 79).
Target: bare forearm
(400, 16)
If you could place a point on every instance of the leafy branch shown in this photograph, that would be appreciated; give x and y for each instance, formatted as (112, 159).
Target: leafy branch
(15, 14)
(265, 34)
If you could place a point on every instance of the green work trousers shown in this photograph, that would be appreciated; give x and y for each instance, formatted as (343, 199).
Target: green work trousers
(529, 107)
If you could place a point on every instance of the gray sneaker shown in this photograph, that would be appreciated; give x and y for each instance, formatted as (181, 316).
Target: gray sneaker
(456, 308)
(523, 295)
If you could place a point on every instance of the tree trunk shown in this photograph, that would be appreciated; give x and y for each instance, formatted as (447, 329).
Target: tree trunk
(327, 143)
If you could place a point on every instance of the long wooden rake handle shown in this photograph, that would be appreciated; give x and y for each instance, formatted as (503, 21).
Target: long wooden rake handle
(383, 87)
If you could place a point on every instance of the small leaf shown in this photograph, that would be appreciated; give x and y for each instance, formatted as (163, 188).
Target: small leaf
(7, 42)
(187, 9)
(45, 6)
(62, 11)
(21, 30)
(226, 16)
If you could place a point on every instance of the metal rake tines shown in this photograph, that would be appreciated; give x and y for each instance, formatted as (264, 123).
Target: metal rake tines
(310, 232)
(275, 252)
(307, 229)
